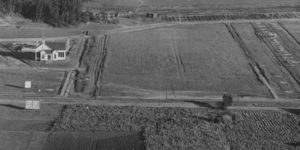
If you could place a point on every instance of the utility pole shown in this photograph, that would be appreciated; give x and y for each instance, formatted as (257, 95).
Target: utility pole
(166, 92)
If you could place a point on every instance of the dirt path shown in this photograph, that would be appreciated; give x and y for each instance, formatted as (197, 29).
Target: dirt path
(38, 39)
(143, 103)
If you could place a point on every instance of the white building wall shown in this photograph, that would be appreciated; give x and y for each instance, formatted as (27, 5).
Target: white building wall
(58, 56)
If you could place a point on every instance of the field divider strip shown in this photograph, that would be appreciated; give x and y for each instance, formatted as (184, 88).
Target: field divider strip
(179, 61)
(288, 32)
(95, 70)
(253, 64)
(65, 85)
(279, 59)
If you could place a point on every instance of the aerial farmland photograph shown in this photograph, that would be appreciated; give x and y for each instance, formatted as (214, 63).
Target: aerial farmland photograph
(149, 74)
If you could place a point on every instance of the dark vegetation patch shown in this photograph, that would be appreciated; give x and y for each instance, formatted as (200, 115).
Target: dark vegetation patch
(162, 128)
(53, 12)
(94, 141)
(188, 128)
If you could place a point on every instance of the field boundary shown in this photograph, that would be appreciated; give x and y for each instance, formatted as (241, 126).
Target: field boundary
(176, 52)
(229, 16)
(99, 65)
(287, 31)
(278, 58)
(253, 64)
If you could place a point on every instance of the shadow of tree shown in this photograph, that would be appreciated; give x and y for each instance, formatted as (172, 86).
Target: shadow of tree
(201, 104)
(12, 106)
(294, 144)
(14, 86)
(293, 111)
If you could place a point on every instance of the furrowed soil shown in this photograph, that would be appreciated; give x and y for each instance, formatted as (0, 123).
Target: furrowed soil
(188, 128)
(183, 60)
(9, 32)
(264, 130)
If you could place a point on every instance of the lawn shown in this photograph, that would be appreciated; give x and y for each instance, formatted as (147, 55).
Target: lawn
(26, 129)
(12, 82)
(202, 4)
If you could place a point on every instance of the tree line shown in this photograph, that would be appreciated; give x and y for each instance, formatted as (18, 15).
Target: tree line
(54, 12)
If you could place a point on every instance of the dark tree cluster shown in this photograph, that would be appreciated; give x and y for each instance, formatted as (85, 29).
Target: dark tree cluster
(54, 12)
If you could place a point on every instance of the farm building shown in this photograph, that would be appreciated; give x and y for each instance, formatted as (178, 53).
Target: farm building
(48, 51)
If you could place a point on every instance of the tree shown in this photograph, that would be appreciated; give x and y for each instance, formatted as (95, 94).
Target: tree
(54, 12)
(227, 101)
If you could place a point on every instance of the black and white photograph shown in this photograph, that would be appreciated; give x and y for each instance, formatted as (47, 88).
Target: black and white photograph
(149, 74)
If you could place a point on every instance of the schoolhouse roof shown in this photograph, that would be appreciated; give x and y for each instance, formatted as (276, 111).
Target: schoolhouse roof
(56, 45)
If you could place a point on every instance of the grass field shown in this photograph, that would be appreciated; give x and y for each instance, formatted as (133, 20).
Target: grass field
(204, 4)
(2, 22)
(197, 59)
(26, 129)
(293, 28)
(12, 82)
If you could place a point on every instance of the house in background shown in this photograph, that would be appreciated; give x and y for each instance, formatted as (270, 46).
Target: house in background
(48, 51)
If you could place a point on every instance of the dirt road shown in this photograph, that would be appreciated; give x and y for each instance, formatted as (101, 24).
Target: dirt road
(39, 39)
(243, 103)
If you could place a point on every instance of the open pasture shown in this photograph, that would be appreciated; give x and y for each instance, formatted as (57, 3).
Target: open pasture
(194, 59)
(202, 4)
(12, 82)
(293, 28)
(26, 129)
